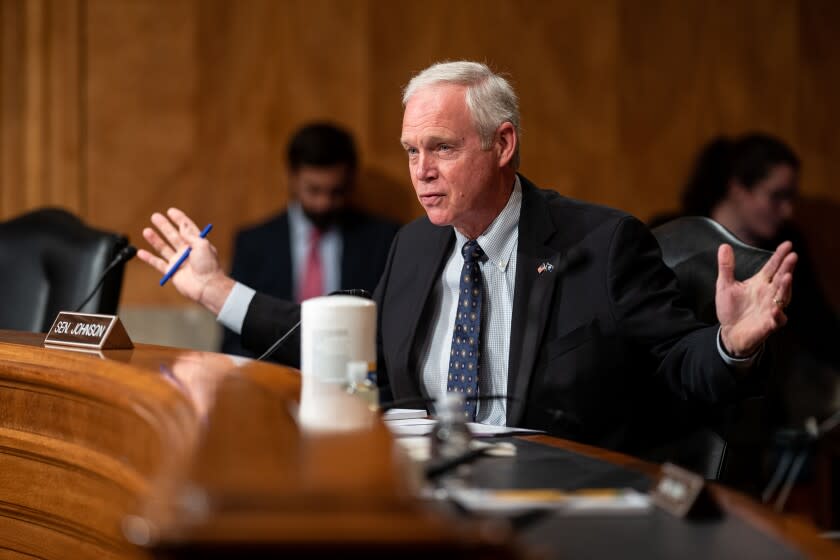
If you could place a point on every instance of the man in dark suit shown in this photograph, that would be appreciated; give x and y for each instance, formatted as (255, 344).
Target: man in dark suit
(319, 244)
(503, 288)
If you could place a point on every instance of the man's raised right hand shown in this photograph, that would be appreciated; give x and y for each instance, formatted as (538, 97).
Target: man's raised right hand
(200, 277)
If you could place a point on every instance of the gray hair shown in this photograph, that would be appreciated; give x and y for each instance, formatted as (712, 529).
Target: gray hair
(490, 98)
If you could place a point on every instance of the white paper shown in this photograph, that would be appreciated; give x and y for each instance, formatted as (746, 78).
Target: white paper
(424, 426)
(404, 414)
(411, 427)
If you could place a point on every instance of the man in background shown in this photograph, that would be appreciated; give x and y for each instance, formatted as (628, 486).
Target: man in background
(319, 244)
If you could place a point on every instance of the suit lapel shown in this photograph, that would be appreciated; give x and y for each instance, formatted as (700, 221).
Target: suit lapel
(536, 278)
(426, 272)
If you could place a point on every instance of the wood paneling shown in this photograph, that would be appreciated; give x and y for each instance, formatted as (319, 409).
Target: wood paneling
(690, 71)
(142, 147)
(40, 114)
(117, 108)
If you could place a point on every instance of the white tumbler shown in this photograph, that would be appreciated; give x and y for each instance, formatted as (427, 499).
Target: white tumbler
(335, 331)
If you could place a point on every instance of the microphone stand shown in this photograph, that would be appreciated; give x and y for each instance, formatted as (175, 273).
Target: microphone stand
(124, 255)
(358, 292)
(793, 459)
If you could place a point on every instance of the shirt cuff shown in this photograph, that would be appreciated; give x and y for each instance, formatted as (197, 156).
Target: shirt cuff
(236, 305)
(737, 363)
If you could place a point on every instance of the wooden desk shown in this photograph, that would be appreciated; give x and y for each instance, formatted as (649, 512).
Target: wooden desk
(204, 453)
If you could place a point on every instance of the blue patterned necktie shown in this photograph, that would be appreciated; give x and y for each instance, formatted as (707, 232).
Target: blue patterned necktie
(464, 357)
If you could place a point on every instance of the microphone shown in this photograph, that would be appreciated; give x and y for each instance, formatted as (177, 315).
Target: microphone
(358, 292)
(124, 255)
(798, 443)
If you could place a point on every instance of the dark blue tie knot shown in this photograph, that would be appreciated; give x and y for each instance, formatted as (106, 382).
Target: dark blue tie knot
(472, 252)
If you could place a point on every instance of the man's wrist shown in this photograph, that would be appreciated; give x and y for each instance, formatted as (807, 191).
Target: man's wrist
(215, 292)
(736, 362)
(732, 349)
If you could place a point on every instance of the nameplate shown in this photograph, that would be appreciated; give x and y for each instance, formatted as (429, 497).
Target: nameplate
(88, 331)
(682, 493)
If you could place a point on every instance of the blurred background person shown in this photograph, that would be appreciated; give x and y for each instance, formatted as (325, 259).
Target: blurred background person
(749, 185)
(319, 244)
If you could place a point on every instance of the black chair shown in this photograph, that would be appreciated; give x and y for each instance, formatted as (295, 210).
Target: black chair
(50, 261)
(689, 247)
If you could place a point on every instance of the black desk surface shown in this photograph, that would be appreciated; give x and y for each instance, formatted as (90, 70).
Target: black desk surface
(649, 536)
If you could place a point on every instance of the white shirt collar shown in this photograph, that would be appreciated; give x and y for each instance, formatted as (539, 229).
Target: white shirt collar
(499, 240)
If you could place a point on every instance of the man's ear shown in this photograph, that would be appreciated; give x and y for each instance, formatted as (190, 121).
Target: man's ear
(505, 144)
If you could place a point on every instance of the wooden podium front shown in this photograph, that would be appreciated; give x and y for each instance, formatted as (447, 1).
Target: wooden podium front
(166, 453)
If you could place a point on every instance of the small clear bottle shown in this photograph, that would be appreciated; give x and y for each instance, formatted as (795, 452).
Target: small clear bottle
(360, 384)
(451, 436)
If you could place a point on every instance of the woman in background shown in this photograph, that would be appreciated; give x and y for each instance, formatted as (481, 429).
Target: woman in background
(749, 185)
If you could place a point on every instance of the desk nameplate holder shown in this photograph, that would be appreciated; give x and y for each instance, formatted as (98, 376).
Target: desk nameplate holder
(683, 493)
(88, 332)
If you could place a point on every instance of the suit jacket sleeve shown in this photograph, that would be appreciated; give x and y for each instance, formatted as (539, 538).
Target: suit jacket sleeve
(267, 320)
(243, 262)
(645, 306)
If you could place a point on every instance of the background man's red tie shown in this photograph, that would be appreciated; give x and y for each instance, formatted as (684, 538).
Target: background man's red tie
(312, 281)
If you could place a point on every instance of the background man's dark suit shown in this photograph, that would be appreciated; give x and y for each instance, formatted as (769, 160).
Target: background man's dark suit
(598, 352)
(262, 259)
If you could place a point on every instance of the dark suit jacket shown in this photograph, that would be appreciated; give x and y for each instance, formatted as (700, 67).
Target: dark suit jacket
(600, 352)
(262, 259)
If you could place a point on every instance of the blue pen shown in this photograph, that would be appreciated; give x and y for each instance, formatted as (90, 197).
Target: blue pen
(174, 268)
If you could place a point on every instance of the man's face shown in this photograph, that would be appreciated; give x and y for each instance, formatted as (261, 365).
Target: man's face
(456, 181)
(765, 207)
(322, 192)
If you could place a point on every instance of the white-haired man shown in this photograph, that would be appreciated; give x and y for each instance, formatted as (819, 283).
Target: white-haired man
(505, 289)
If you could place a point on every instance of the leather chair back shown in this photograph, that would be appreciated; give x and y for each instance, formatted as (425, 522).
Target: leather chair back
(49, 262)
(689, 247)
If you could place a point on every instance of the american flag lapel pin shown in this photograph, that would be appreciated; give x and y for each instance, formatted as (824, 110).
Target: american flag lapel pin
(545, 267)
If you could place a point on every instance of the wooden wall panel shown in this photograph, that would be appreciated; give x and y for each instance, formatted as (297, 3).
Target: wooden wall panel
(40, 99)
(819, 91)
(690, 71)
(142, 152)
(818, 88)
(206, 94)
(11, 106)
(265, 68)
(117, 108)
